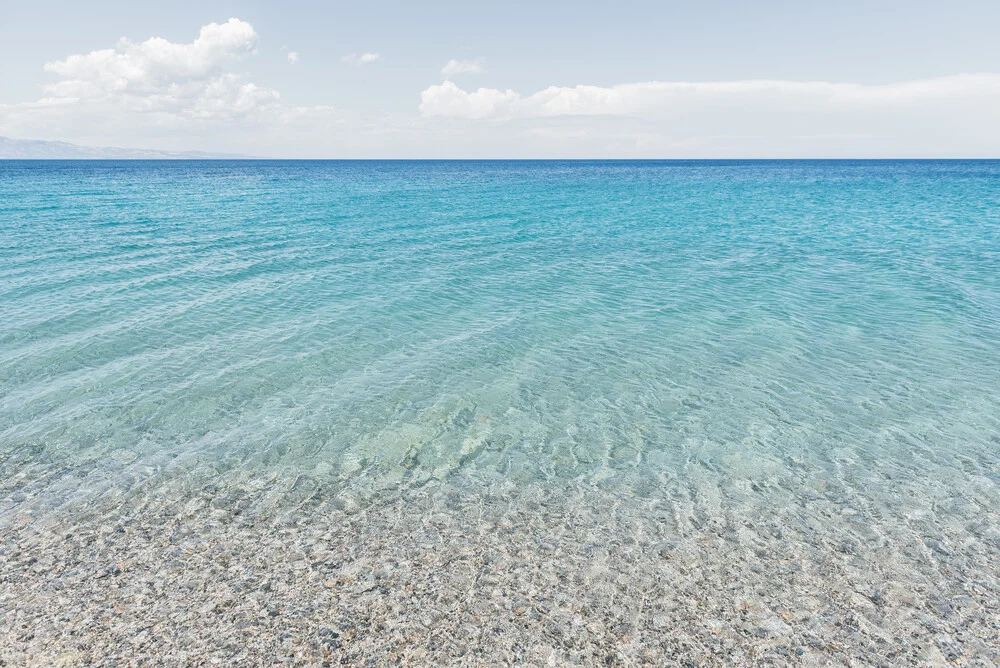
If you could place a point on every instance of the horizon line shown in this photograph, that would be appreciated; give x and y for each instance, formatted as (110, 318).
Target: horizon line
(730, 159)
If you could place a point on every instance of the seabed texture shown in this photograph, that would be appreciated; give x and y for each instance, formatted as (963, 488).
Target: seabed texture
(530, 576)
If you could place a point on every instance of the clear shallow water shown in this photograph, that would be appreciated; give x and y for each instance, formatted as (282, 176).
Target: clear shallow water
(340, 330)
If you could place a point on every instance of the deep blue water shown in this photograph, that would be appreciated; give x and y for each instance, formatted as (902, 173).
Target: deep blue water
(374, 326)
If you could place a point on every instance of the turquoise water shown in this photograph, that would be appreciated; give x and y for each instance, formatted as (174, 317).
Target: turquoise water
(365, 328)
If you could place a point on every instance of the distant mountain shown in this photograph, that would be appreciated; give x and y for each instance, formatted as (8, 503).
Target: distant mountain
(28, 149)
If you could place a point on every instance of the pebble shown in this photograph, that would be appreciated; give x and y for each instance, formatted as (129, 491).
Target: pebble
(527, 576)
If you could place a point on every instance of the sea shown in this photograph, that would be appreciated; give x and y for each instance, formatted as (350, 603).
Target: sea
(711, 344)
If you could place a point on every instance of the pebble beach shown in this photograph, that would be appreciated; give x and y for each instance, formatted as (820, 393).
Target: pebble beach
(528, 577)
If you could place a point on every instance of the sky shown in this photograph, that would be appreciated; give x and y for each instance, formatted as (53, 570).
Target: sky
(584, 79)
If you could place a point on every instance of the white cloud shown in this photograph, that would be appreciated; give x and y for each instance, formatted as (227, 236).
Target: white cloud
(161, 77)
(363, 59)
(447, 99)
(228, 97)
(193, 95)
(153, 65)
(161, 94)
(950, 116)
(663, 99)
(293, 57)
(455, 67)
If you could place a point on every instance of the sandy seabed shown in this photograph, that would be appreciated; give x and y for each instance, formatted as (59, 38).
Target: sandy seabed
(533, 576)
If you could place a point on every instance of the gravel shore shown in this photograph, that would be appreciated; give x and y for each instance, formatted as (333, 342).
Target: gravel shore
(530, 576)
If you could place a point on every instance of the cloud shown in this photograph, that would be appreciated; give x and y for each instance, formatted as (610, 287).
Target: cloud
(157, 93)
(363, 59)
(454, 67)
(161, 77)
(293, 57)
(664, 99)
(194, 95)
(228, 97)
(447, 99)
(153, 65)
(952, 116)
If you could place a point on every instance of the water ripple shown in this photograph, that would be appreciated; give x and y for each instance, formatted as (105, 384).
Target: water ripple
(377, 325)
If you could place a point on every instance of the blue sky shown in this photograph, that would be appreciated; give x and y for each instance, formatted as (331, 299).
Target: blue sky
(556, 79)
